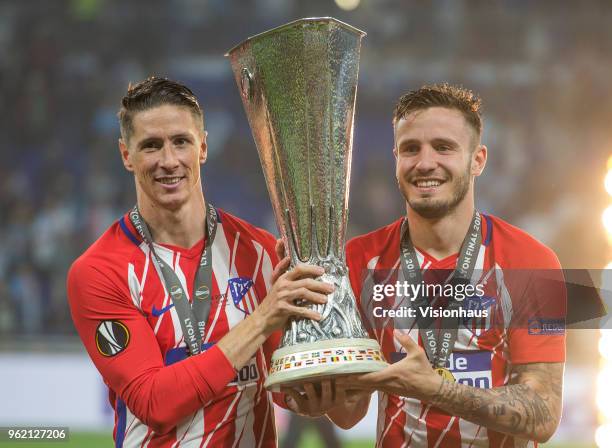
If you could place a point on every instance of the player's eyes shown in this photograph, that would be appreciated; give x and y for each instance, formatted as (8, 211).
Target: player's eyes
(150, 146)
(410, 149)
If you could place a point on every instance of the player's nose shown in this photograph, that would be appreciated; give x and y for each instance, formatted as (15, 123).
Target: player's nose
(168, 157)
(426, 159)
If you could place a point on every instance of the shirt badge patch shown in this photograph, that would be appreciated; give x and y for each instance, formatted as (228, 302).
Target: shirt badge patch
(546, 327)
(112, 337)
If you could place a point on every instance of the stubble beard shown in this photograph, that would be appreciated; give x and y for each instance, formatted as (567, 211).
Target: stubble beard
(160, 200)
(438, 208)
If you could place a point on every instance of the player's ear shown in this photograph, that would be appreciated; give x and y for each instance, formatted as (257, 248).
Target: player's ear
(125, 155)
(479, 160)
(203, 148)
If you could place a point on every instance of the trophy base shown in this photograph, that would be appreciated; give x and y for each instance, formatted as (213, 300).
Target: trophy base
(304, 362)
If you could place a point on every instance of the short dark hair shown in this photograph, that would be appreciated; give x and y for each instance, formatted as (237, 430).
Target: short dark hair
(441, 95)
(152, 92)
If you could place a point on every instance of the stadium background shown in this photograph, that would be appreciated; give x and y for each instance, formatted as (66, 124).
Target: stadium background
(542, 68)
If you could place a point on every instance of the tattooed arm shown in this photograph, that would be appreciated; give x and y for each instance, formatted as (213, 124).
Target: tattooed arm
(529, 407)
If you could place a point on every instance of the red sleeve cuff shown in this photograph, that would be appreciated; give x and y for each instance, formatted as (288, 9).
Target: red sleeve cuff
(526, 348)
(215, 369)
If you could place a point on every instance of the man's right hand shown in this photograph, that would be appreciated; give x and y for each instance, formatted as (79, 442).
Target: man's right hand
(343, 407)
(239, 344)
(290, 286)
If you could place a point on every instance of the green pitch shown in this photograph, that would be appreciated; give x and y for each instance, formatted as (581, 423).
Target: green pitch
(312, 440)
(76, 440)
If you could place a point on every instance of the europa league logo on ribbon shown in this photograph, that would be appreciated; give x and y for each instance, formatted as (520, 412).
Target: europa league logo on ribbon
(298, 84)
(202, 292)
(176, 292)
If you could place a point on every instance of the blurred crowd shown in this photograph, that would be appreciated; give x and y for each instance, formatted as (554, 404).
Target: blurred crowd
(542, 68)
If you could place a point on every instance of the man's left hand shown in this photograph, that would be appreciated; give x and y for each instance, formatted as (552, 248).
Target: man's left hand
(312, 403)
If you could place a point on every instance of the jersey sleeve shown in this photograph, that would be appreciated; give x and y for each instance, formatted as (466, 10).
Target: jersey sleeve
(537, 329)
(125, 351)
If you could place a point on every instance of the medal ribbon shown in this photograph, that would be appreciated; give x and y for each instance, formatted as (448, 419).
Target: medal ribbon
(438, 347)
(197, 312)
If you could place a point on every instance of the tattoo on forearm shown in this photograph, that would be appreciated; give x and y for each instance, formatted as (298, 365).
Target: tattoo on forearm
(499, 409)
(517, 408)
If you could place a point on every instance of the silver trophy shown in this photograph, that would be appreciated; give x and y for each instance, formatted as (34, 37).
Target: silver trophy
(298, 84)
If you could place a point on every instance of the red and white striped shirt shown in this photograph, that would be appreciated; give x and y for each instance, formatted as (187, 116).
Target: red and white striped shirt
(484, 351)
(131, 330)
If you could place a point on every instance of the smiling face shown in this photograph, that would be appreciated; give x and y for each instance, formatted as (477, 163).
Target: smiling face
(165, 151)
(437, 157)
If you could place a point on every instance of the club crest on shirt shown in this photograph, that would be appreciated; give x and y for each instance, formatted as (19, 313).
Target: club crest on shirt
(485, 306)
(239, 287)
(112, 337)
